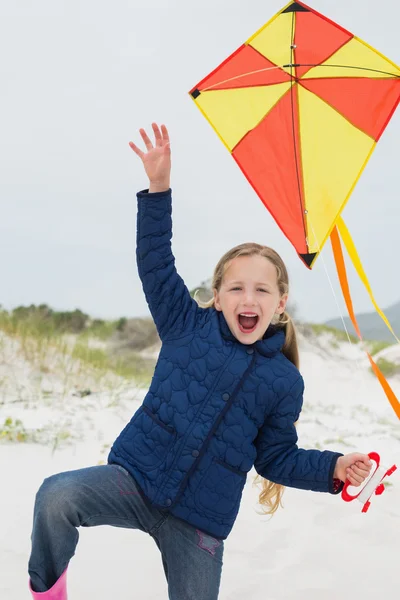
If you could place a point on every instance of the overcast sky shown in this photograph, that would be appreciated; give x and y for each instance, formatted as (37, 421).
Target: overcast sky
(79, 77)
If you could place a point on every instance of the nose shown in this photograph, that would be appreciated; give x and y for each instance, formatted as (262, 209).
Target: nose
(249, 298)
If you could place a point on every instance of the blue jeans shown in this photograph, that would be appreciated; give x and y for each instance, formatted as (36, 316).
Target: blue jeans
(108, 495)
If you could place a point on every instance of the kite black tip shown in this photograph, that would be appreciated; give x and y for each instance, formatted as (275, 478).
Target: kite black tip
(195, 94)
(295, 7)
(308, 259)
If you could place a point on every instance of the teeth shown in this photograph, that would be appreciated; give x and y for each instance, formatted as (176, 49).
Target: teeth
(247, 315)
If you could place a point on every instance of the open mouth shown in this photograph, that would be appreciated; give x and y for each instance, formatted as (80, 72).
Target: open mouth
(247, 322)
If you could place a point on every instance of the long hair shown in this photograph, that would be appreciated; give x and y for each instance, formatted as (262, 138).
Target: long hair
(271, 493)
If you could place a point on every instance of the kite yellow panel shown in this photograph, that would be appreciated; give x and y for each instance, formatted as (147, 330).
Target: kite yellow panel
(273, 41)
(334, 153)
(355, 59)
(235, 112)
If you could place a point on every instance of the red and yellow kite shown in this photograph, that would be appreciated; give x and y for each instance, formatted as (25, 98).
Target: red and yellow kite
(301, 106)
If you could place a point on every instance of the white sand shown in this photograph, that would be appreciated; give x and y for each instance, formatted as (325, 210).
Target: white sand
(317, 548)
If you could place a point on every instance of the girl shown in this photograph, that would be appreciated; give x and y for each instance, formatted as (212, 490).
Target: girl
(225, 396)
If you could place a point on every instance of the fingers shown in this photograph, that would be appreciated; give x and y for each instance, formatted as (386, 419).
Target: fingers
(354, 479)
(362, 468)
(161, 137)
(136, 150)
(147, 142)
(146, 139)
(357, 473)
(157, 134)
(165, 134)
(364, 458)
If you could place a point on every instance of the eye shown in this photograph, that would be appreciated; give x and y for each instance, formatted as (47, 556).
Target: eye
(235, 289)
(262, 290)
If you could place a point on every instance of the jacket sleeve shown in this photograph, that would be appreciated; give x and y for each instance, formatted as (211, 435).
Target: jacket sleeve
(172, 308)
(281, 461)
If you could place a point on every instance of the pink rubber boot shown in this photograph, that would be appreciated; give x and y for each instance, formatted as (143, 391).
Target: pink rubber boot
(57, 592)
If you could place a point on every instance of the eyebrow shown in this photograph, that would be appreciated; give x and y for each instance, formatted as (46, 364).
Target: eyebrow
(241, 282)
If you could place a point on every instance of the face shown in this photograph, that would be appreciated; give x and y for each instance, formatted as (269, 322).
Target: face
(249, 297)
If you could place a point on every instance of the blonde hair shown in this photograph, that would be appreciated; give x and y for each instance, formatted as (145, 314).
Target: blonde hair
(271, 493)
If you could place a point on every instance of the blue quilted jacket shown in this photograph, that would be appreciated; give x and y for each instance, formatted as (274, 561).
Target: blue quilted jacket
(215, 407)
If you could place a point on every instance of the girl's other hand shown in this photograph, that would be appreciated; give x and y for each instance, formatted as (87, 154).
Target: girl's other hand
(354, 467)
(157, 159)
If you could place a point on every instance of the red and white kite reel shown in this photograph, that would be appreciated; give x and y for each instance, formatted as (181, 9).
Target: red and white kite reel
(373, 485)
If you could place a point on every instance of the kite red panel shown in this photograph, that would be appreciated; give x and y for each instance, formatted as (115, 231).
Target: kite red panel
(316, 39)
(364, 102)
(270, 159)
(246, 68)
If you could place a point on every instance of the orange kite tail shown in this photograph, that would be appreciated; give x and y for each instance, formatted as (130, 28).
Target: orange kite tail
(341, 269)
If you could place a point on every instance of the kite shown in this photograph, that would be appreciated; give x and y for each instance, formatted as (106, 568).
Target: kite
(301, 107)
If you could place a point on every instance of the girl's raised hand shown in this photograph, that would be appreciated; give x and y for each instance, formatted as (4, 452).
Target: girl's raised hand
(157, 159)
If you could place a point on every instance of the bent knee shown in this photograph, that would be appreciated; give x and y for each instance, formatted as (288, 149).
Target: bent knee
(58, 493)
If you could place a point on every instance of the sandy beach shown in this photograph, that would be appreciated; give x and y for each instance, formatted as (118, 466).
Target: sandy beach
(317, 548)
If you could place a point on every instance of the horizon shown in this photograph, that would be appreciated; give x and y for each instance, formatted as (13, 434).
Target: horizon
(371, 312)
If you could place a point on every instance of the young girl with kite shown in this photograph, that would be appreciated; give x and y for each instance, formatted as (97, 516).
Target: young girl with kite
(225, 397)
(300, 106)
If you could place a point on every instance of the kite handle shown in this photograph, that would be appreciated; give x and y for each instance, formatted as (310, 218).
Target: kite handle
(373, 485)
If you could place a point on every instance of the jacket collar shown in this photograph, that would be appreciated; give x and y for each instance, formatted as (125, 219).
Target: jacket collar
(272, 342)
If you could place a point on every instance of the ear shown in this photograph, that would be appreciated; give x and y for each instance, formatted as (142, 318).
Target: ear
(217, 303)
(282, 304)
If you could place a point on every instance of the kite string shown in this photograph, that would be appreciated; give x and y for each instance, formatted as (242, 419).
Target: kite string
(330, 282)
(320, 255)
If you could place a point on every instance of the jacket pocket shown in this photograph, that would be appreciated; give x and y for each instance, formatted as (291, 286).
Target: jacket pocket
(220, 490)
(146, 440)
